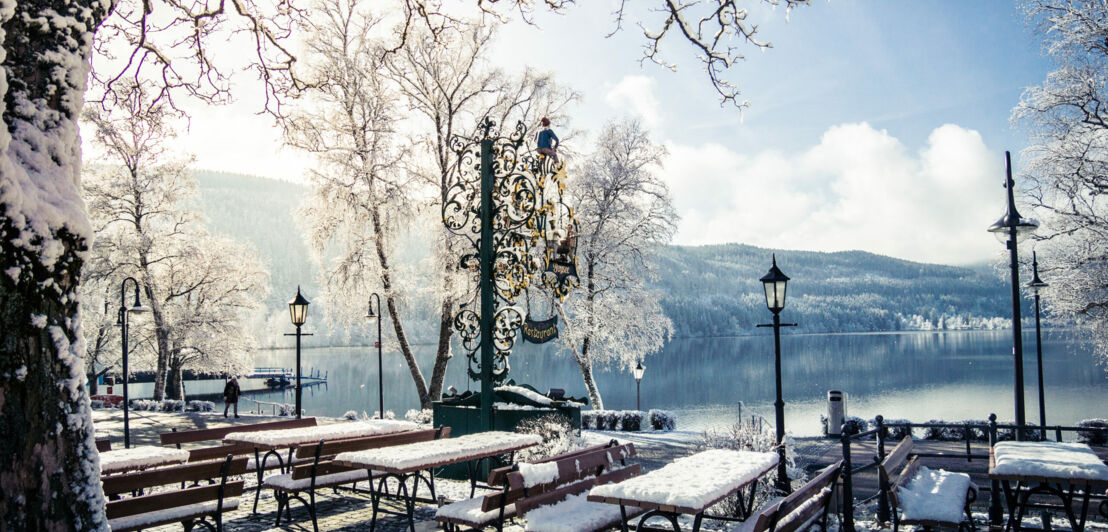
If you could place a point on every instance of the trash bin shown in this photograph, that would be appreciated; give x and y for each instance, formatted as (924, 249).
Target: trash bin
(836, 412)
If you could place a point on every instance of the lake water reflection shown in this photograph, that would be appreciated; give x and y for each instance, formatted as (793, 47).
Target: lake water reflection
(917, 375)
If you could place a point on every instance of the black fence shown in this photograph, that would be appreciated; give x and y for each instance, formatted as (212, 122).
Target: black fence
(990, 432)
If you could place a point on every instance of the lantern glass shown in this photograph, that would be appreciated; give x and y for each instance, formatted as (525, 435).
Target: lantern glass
(298, 309)
(1024, 228)
(638, 371)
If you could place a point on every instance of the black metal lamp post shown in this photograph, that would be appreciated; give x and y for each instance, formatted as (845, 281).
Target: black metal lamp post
(775, 283)
(1036, 285)
(376, 315)
(298, 308)
(1009, 229)
(124, 322)
(637, 372)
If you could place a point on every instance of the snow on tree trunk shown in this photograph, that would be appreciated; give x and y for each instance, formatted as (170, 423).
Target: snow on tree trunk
(49, 470)
(585, 364)
(442, 354)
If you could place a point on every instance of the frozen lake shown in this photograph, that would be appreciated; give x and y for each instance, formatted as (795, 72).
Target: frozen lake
(915, 375)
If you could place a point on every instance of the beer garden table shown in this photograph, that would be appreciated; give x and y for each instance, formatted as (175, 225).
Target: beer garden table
(689, 486)
(140, 457)
(1063, 470)
(273, 441)
(409, 462)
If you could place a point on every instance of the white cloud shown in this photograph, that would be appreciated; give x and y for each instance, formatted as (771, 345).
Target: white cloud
(635, 95)
(859, 188)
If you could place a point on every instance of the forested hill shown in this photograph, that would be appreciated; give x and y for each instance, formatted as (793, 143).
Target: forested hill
(705, 290)
(714, 290)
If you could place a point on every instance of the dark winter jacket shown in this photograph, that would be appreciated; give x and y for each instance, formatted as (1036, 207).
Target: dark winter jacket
(231, 391)
(545, 138)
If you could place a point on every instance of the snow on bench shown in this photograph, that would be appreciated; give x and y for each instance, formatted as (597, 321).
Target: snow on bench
(693, 482)
(423, 455)
(934, 495)
(573, 514)
(302, 435)
(1072, 461)
(140, 457)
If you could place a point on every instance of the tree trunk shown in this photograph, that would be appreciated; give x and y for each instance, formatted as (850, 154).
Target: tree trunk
(48, 473)
(397, 326)
(161, 335)
(175, 381)
(585, 364)
(442, 354)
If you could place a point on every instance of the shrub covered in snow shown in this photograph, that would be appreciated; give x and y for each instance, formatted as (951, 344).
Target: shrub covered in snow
(851, 425)
(627, 420)
(895, 429)
(631, 420)
(758, 437)
(423, 417)
(351, 415)
(389, 414)
(1094, 437)
(201, 406)
(558, 436)
(286, 410)
(663, 420)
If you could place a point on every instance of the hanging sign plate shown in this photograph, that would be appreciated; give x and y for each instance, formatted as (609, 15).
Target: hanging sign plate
(540, 332)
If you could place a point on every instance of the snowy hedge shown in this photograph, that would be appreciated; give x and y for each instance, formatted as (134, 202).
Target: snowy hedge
(1094, 437)
(423, 417)
(558, 436)
(628, 420)
(172, 405)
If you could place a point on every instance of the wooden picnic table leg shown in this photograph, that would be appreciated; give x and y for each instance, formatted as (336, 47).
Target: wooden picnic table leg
(700, 517)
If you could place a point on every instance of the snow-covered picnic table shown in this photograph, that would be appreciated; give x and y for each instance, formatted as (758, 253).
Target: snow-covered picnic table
(1053, 468)
(283, 438)
(409, 462)
(690, 485)
(140, 457)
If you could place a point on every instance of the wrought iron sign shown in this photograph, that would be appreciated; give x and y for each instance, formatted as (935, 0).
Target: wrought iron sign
(506, 201)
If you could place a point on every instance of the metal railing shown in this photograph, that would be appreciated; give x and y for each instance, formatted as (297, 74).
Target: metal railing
(990, 432)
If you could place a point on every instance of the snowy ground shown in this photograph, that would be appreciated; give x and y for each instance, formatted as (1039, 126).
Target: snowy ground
(348, 511)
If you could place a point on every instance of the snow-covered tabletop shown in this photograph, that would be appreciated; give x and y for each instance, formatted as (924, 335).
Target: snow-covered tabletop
(140, 457)
(689, 484)
(427, 454)
(277, 439)
(1072, 463)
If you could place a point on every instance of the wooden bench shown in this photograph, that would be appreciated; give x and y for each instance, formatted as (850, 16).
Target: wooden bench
(189, 506)
(521, 494)
(801, 510)
(103, 444)
(925, 497)
(323, 472)
(219, 451)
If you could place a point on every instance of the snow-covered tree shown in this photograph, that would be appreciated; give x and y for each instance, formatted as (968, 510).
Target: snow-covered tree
(1069, 160)
(199, 287)
(626, 215)
(361, 198)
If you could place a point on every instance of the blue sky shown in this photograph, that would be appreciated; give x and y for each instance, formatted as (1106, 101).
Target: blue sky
(872, 125)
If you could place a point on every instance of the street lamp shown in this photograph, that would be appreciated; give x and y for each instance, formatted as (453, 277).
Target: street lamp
(637, 372)
(775, 283)
(380, 371)
(1010, 229)
(298, 309)
(1036, 285)
(124, 322)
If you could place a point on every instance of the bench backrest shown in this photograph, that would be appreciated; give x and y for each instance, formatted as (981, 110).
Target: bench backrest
(193, 436)
(527, 504)
(103, 444)
(498, 475)
(887, 468)
(164, 500)
(162, 476)
(801, 506)
(572, 467)
(323, 451)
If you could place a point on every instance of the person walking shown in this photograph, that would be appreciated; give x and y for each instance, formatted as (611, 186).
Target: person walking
(548, 141)
(231, 393)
